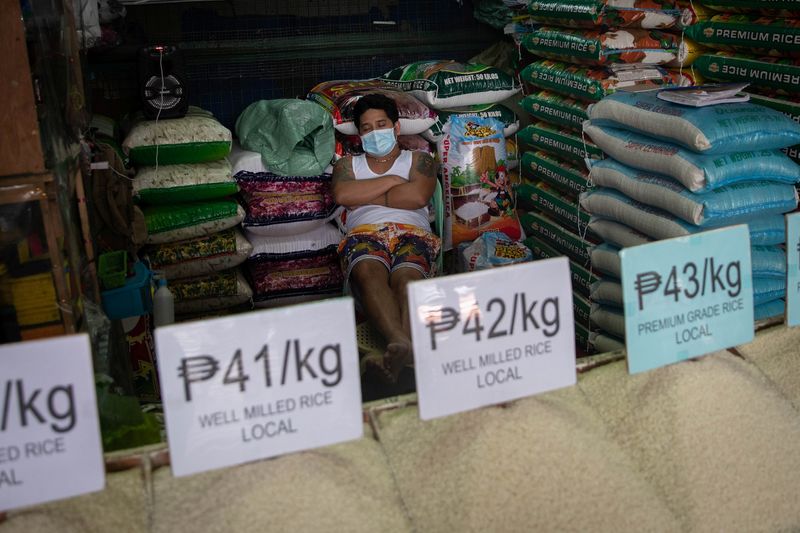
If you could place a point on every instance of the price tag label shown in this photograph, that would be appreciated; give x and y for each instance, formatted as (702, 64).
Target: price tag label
(257, 385)
(793, 269)
(50, 444)
(686, 297)
(492, 336)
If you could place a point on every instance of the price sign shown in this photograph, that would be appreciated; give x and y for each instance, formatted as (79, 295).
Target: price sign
(49, 433)
(687, 296)
(492, 336)
(261, 384)
(793, 269)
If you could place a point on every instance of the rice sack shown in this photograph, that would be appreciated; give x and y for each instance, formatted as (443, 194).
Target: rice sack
(496, 111)
(790, 108)
(491, 249)
(648, 14)
(561, 208)
(781, 75)
(778, 37)
(170, 184)
(616, 234)
(556, 109)
(212, 292)
(170, 223)
(568, 178)
(560, 142)
(202, 255)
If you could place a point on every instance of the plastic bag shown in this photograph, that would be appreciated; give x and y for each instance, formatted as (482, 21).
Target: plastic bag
(492, 249)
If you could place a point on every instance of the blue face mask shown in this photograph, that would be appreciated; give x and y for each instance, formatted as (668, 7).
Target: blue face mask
(378, 143)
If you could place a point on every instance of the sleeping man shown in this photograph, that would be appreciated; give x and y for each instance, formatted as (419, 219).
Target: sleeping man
(389, 244)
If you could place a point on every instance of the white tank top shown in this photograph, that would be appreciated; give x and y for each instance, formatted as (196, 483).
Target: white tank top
(378, 214)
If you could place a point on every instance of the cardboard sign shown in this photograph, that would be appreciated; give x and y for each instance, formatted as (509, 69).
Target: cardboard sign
(793, 269)
(492, 336)
(241, 388)
(50, 444)
(687, 296)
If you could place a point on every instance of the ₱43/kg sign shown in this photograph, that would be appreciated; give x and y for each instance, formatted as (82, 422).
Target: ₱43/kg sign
(687, 296)
(492, 336)
(261, 384)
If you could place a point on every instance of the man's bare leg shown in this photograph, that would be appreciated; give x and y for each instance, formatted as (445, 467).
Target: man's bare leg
(399, 280)
(383, 310)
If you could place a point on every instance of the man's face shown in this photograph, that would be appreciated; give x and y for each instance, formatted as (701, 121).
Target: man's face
(376, 119)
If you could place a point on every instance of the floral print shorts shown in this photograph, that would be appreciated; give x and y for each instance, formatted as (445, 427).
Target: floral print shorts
(394, 245)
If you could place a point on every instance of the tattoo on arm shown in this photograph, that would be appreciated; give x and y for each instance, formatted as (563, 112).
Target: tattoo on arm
(343, 170)
(425, 165)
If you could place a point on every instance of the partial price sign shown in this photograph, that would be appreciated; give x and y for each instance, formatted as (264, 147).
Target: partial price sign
(492, 336)
(793, 269)
(687, 296)
(261, 384)
(49, 432)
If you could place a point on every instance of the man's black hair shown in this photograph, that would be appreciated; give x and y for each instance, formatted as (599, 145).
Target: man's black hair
(375, 101)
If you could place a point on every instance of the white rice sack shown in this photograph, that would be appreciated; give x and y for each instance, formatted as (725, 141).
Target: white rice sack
(605, 258)
(713, 436)
(493, 470)
(610, 319)
(716, 129)
(168, 184)
(170, 223)
(698, 173)
(450, 84)
(616, 234)
(245, 160)
(658, 224)
(317, 239)
(607, 292)
(202, 255)
(721, 207)
(213, 292)
(603, 342)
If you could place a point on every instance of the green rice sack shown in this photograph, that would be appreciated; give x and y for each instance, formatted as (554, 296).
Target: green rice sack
(582, 278)
(539, 226)
(648, 14)
(781, 75)
(560, 208)
(568, 178)
(556, 109)
(170, 223)
(561, 142)
(593, 83)
(789, 108)
(778, 37)
(171, 184)
(600, 47)
(196, 138)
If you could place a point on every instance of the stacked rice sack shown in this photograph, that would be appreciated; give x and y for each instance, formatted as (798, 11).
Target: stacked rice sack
(285, 186)
(675, 170)
(184, 183)
(755, 41)
(473, 134)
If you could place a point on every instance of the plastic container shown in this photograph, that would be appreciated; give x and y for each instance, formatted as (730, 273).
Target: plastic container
(112, 269)
(133, 299)
(163, 305)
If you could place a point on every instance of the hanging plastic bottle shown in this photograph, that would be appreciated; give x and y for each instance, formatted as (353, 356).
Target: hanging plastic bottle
(163, 305)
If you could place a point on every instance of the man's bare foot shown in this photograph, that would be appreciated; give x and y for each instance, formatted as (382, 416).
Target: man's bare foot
(397, 356)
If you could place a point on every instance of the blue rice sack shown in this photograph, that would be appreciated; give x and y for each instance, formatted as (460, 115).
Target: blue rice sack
(721, 207)
(768, 289)
(602, 342)
(716, 129)
(768, 262)
(768, 310)
(605, 259)
(658, 224)
(607, 292)
(697, 172)
(616, 234)
(607, 318)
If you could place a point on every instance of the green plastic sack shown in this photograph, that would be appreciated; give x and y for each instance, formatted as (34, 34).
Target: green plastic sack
(294, 137)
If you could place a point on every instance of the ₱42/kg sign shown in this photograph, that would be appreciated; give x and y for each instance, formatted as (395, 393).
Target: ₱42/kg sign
(492, 336)
(687, 296)
(260, 384)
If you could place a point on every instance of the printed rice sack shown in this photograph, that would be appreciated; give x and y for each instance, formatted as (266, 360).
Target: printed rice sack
(170, 223)
(562, 209)
(768, 290)
(196, 138)
(285, 205)
(721, 207)
(648, 14)
(478, 194)
(778, 37)
(610, 319)
(568, 178)
(602, 342)
(202, 255)
(512, 156)
(593, 83)
(608, 293)
(582, 340)
(556, 109)
(450, 84)
(617, 235)
(171, 184)
(582, 308)
(560, 142)
(490, 250)
(790, 108)
(295, 276)
(697, 172)
(213, 292)
(658, 224)
(351, 145)
(781, 75)
(548, 231)
(601, 47)
(716, 129)
(496, 111)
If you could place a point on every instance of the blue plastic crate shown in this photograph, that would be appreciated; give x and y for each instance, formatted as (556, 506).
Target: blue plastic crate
(135, 298)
